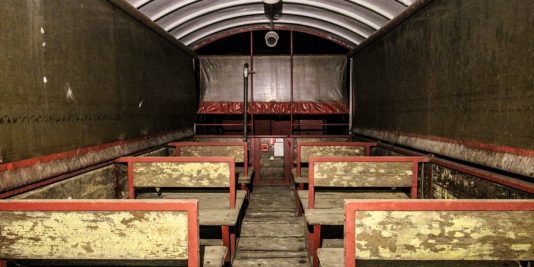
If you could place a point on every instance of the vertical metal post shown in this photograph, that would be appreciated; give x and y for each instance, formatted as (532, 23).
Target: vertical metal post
(252, 77)
(291, 78)
(245, 100)
(351, 92)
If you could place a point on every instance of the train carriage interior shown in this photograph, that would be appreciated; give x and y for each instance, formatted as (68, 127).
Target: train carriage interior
(267, 133)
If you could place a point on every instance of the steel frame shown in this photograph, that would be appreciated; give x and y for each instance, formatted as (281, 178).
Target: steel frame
(190, 206)
(352, 207)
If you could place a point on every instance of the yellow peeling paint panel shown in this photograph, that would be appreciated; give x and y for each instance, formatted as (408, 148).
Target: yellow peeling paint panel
(94, 235)
(181, 174)
(363, 174)
(420, 235)
(306, 152)
(214, 151)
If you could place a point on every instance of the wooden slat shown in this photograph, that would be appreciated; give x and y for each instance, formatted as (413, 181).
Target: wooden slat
(327, 200)
(306, 152)
(272, 262)
(214, 151)
(213, 208)
(445, 235)
(181, 174)
(93, 235)
(331, 257)
(363, 174)
(213, 256)
(262, 229)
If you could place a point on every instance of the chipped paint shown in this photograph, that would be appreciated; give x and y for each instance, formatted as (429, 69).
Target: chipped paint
(448, 183)
(361, 174)
(420, 235)
(93, 235)
(214, 151)
(306, 152)
(181, 174)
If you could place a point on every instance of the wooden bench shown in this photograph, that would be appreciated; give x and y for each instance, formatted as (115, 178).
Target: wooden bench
(379, 177)
(196, 173)
(104, 231)
(434, 230)
(237, 150)
(307, 150)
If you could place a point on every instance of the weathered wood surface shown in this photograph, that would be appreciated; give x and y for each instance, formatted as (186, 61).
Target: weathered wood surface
(90, 185)
(241, 177)
(331, 257)
(272, 262)
(272, 243)
(363, 174)
(262, 229)
(213, 208)
(444, 235)
(212, 256)
(329, 206)
(181, 174)
(214, 151)
(93, 235)
(330, 199)
(303, 178)
(306, 152)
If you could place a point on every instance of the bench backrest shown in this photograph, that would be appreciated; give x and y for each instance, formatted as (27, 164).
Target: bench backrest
(363, 172)
(238, 150)
(306, 150)
(161, 172)
(100, 230)
(439, 230)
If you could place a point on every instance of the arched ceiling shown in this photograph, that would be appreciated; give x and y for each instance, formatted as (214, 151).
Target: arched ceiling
(197, 22)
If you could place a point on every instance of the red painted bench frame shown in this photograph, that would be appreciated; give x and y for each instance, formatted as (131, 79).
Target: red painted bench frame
(351, 208)
(228, 236)
(367, 146)
(190, 206)
(131, 160)
(314, 239)
(178, 145)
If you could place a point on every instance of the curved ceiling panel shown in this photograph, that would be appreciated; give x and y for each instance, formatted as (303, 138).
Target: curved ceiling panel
(195, 21)
(285, 20)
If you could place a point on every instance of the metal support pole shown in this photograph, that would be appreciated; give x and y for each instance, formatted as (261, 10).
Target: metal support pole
(245, 100)
(291, 86)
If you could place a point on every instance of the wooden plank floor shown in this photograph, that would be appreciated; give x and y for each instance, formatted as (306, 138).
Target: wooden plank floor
(272, 234)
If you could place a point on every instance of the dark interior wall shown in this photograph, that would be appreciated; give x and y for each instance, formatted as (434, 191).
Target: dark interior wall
(457, 69)
(80, 73)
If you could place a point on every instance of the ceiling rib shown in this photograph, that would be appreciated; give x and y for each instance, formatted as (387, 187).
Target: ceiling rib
(192, 21)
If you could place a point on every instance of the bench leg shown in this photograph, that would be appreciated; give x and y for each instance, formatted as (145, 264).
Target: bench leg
(226, 242)
(301, 186)
(309, 238)
(247, 191)
(297, 203)
(232, 243)
(316, 244)
(3, 263)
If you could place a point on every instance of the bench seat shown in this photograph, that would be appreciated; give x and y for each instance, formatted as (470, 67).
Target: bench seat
(212, 256)
(331, 257)
(329, 205)
(214, 208)
(303, 178)
(241, 178)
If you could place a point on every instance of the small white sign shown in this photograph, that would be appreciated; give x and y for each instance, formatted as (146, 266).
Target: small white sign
(278, 149)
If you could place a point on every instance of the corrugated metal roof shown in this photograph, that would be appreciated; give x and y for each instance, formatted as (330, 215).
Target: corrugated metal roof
(195, 23)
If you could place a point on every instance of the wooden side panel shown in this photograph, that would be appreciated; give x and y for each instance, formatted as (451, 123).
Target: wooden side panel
(214, 151)
(181, 174)
(94, 235)
(330, 151)
(444, 235)
(363, 174)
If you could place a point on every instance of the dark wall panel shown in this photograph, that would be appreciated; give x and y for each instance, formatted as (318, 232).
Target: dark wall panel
(458, 69)
(81, 73)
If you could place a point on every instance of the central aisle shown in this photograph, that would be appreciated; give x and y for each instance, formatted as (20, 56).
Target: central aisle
(272, 233)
